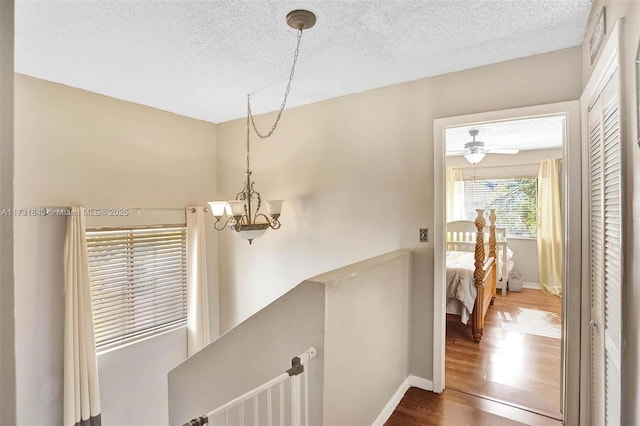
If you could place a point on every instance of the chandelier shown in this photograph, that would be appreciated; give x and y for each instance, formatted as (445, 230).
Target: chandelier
(243, 215)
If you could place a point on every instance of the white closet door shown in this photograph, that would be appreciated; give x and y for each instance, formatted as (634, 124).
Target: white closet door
(605, 220)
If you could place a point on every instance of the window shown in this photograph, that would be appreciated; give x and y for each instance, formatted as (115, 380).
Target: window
(138, 282)
(515, 201)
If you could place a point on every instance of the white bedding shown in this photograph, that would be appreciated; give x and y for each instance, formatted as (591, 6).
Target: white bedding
(501, 264)
(461, 291)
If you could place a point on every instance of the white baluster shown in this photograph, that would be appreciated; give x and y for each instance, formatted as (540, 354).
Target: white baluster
(242, 414)
(281, 403)
(269, 408)
(255, 410)
(296, 418)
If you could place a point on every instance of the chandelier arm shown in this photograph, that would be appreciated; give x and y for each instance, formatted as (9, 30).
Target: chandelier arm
(284, 100)
(218, 221)
(253, 194)
(273, 223)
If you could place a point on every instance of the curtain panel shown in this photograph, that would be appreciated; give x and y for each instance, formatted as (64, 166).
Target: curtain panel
(81, 389)
(198, 333)
(455, 194)
(549, 227)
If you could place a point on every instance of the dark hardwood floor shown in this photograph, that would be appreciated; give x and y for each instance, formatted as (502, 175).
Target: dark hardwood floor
(511, 375)
(453, 408)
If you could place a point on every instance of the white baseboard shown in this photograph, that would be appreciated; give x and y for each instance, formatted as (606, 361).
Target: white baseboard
(534, 286)
(389, 408)
(419, 382)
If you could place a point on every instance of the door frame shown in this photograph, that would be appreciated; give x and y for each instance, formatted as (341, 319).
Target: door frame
(572, 247)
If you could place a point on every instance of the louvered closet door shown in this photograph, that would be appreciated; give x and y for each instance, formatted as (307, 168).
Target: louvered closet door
(605, 253)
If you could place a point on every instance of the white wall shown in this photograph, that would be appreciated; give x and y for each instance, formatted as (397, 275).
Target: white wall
(78, 148)
(630, 11)
(357, 174)
(525, 258)
(133, 380)
(7, 353)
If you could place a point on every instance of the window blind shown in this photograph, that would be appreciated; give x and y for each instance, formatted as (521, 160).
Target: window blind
(515, 202)
(138, 282)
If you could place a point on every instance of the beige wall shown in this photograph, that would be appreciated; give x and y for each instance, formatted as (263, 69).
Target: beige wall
(7, 353)
(357, 174)
(366, 337)
(78, 148)
(630, 11)
(253, 353)
(357, 317)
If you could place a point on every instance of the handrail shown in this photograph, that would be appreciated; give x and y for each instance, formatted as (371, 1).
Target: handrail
(297, 367)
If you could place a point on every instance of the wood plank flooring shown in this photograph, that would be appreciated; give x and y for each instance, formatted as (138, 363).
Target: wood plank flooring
(516, 361)
(512, 373)
(424, 408)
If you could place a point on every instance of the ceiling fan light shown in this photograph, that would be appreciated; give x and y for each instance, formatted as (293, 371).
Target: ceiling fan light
(474, 157)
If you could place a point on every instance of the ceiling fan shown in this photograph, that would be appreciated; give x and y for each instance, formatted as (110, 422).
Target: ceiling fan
(474, 151)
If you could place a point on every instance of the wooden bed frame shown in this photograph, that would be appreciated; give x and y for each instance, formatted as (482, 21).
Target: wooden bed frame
(461, 236)
(485, 273)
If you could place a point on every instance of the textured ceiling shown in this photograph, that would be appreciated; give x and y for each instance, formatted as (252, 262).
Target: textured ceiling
(200, 59)
(526, 134)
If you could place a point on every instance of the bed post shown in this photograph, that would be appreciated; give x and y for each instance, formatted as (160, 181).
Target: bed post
(478, 278)
(493, 252)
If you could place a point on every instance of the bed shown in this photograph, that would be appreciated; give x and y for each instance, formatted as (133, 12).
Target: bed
(461, 236)
(471, 275)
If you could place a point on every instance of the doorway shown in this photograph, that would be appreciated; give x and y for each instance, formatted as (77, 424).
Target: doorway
(568, 368)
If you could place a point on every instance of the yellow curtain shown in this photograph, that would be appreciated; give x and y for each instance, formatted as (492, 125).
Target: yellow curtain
(455, 194)
(549, 228)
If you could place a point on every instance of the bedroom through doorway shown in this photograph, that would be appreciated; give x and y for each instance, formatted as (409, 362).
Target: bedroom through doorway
(513, 351)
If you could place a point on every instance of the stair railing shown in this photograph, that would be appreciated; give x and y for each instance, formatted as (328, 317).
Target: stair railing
(271, 396)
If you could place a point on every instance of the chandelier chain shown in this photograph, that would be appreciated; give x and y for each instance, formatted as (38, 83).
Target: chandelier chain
(284, 100)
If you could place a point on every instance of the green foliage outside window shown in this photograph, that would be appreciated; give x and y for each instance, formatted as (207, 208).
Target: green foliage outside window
(515, 201)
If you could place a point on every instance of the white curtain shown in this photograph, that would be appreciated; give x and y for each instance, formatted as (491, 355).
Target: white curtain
(549, 227)
(455, 194)
(198, 334)
(81, 390)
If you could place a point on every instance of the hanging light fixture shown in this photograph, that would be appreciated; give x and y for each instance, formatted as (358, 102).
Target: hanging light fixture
(474, 157)
(239, 214)
(475, 149)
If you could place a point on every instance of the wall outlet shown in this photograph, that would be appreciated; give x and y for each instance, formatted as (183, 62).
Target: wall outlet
(424, 235)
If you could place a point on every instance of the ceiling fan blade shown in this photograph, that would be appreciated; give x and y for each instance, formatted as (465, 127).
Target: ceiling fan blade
(458, 152)
(501, 151)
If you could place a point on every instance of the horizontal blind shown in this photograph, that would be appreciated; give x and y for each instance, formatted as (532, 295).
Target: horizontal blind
(515, 202)
(138, 282)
